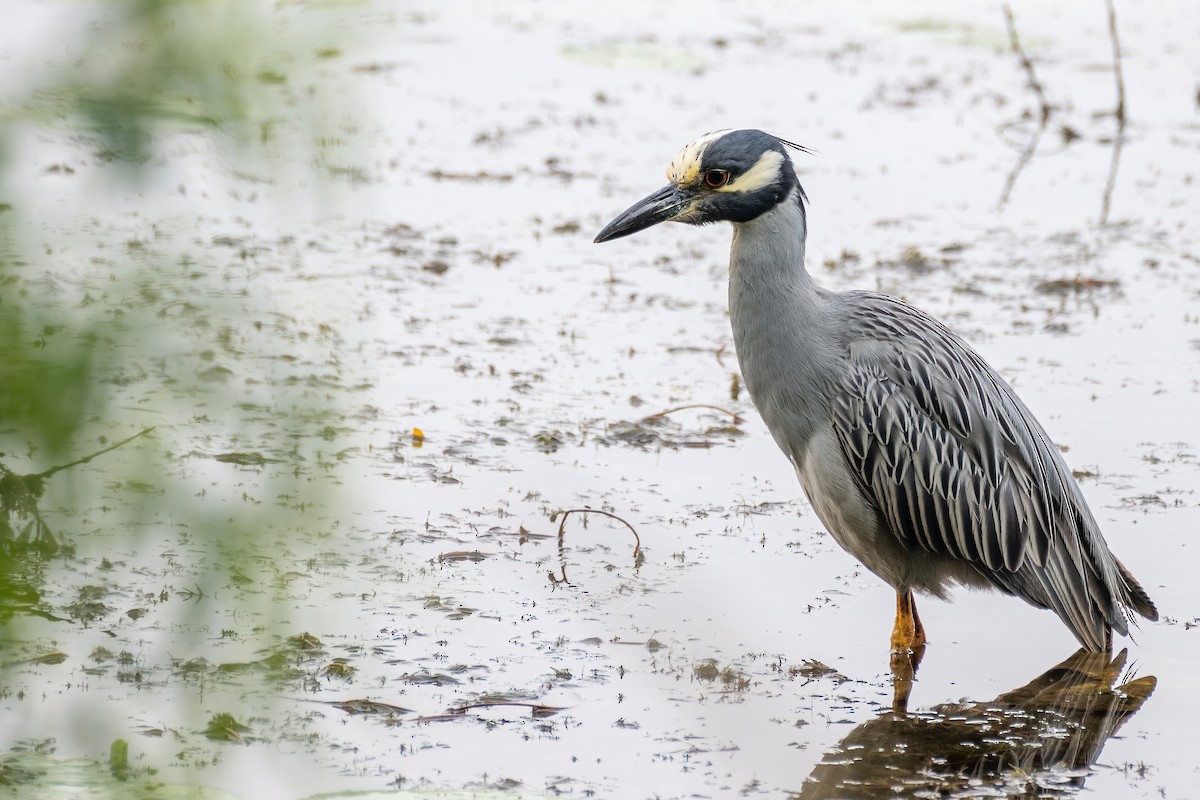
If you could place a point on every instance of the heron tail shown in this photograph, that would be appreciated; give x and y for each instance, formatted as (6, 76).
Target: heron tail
(1136, 596)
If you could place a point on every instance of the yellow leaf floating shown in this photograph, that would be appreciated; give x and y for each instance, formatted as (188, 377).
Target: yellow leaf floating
(418, 437)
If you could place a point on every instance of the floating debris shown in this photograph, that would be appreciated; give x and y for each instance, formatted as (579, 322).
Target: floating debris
(1076, 285)
(246, 459)
(370, 707)
(464, 555)
(224, 728)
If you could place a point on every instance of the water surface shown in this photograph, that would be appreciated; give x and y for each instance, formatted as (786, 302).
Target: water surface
(412, 621)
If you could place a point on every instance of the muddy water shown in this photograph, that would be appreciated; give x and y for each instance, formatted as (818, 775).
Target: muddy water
(444, 281)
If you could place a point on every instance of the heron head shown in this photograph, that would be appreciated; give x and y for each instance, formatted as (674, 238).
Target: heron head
(729, 175)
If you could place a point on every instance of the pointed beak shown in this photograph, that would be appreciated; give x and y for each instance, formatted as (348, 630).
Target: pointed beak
(665, 204)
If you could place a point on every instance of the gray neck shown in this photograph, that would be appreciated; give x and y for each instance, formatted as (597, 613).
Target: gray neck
(782, 323)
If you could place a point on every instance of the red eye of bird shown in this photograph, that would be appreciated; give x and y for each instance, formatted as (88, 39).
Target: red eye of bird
(716, 178)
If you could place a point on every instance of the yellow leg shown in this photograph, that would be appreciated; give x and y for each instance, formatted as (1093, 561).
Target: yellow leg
(908, 646)
(908, 635)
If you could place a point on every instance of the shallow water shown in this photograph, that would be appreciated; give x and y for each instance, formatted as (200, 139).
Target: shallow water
(445, 281)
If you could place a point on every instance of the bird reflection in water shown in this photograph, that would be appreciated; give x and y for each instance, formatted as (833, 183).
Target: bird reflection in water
(1036, 741)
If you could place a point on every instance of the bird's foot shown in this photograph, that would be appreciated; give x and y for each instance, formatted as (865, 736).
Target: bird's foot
(908, 634)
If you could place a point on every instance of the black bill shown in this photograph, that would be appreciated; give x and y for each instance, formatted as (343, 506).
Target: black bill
(663, 205)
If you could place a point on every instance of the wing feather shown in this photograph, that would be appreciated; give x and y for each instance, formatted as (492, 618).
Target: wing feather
(957, 465)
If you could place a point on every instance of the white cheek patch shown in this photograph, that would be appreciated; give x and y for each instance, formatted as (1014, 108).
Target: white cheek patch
(764, 172)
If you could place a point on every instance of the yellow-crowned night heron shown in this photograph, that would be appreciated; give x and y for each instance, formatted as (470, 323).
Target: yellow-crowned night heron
(916, 455)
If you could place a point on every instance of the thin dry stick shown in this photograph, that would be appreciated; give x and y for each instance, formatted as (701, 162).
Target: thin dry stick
(1044, 105)
(1117, 71)
(660, 414)
(1034, 83)
(1119, 113)
(720, 352)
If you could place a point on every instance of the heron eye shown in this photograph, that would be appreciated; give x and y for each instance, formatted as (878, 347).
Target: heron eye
(716, 178)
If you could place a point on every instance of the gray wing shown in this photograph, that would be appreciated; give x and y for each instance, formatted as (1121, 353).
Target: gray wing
(957, 465)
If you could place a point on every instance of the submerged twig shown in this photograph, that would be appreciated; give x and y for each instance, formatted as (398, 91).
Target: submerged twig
(662, 414)
(86, 459)
(1044, 107)
(19, 496)
(561, 515)
(562, 525)
(539, 709)
(1119, 113)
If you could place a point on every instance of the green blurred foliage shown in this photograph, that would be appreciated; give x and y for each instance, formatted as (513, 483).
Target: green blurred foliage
(46, 390)
(141, 73)
(113, 323)
(163, 66)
